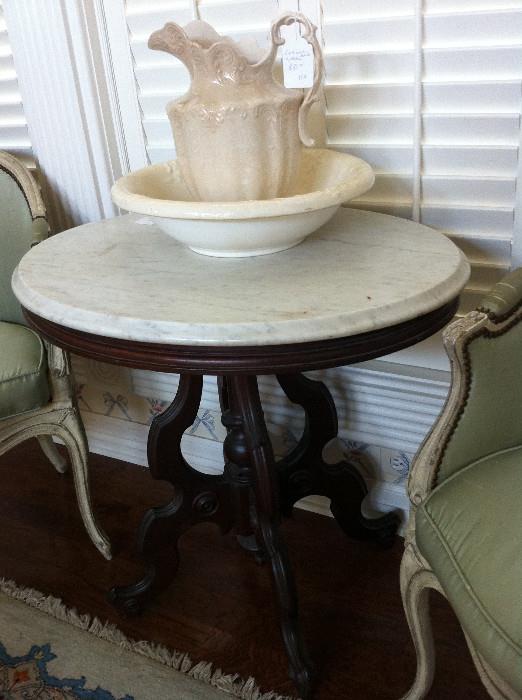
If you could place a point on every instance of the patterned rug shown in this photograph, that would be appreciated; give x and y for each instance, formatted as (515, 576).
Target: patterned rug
(50, 652)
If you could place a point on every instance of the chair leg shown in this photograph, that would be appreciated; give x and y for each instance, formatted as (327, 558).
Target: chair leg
(76, 444)
(416, 582)
(51, 452)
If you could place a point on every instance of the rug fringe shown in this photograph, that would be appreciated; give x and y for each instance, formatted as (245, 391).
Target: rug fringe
(203, 670)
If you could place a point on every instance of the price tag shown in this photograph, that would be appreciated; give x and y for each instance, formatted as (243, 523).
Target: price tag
(298, 62)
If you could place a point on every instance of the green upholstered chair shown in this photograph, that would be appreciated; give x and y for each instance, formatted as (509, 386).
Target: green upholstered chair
(464, 536)
(36, 392)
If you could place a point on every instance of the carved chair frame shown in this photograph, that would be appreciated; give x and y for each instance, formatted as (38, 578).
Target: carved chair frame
(60, 416)
(417, 576)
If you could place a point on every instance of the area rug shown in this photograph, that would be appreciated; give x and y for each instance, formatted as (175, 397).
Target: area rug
(50, 652)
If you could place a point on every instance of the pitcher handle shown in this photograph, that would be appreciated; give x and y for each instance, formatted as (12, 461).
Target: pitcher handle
(313, 93)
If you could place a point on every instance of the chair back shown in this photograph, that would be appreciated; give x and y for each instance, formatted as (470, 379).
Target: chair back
(483, 411)
(489, 418)
(22, 224)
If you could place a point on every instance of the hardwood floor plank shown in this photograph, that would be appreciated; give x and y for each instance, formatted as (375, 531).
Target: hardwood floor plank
(221, 608)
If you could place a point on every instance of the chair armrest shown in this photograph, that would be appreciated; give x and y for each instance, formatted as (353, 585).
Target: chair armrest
(40, 230)
(504, 298)
(59, 364)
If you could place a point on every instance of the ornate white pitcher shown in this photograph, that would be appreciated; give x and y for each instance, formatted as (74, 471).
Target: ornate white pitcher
(238, 132)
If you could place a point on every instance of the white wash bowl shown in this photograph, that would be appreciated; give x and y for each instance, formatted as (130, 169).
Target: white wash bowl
(249, 227)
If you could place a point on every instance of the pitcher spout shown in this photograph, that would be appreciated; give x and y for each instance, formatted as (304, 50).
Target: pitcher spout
(172, 39)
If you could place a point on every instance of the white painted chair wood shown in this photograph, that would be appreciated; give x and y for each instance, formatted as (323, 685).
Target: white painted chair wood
(417, 576)
(60, 417)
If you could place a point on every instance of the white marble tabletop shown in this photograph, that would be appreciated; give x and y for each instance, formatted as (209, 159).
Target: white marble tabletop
(124, 278)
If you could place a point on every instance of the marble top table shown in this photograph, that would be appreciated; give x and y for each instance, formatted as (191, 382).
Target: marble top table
(122, 291)
(124, 278)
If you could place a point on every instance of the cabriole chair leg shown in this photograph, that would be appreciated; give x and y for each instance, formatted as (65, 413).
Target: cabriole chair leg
(76, 443)
(416, 582)
(51, 452)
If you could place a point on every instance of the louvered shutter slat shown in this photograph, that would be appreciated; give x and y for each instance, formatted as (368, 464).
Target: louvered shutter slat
(472, 96)
(359, 35)
(468, 160)
(14, 133)
(484, 250)
(476, 191)
(354, 99)
(470, 63)
(473, 29)
(492, 221)
(368, 66)
(440, 6)
(460, 129)
(357, 9)
(239, 15)
(143, 24)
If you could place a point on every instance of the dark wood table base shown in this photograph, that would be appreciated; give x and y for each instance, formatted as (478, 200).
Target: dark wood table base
(254, 490)
(251, 494)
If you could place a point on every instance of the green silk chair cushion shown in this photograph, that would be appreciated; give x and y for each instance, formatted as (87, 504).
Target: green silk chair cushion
(470, 530)
(16, 237)
(491, 418)
(23, 370)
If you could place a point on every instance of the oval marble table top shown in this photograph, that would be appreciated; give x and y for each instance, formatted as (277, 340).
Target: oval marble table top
(124, 278)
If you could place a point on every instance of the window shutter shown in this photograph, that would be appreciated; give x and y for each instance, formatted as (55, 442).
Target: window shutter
(430, 94)
(14, 135)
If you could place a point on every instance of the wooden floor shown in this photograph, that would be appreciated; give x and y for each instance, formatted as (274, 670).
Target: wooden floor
(220, 608)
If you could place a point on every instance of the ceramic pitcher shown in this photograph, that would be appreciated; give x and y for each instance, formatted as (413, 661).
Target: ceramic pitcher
(238, 132)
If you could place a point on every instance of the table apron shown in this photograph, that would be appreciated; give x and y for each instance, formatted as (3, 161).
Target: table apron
(254, 359)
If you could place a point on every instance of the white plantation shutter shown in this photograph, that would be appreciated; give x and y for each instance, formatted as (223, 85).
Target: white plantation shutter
(427, 91)
(430, 94)
(14, 135)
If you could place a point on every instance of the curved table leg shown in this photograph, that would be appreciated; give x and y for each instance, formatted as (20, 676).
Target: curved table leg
(239, 475)
(245, 404)
(304, 472)
(198, 497)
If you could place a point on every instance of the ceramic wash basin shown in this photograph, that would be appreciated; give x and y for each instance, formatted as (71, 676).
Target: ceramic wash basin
(250, 227)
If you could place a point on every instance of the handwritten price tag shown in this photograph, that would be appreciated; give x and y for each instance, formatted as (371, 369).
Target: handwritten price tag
(298, 63)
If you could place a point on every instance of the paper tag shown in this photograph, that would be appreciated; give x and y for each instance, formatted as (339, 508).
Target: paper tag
(298, 62)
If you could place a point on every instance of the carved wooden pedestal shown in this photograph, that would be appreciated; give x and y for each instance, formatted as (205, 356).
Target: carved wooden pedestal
(251, 494)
